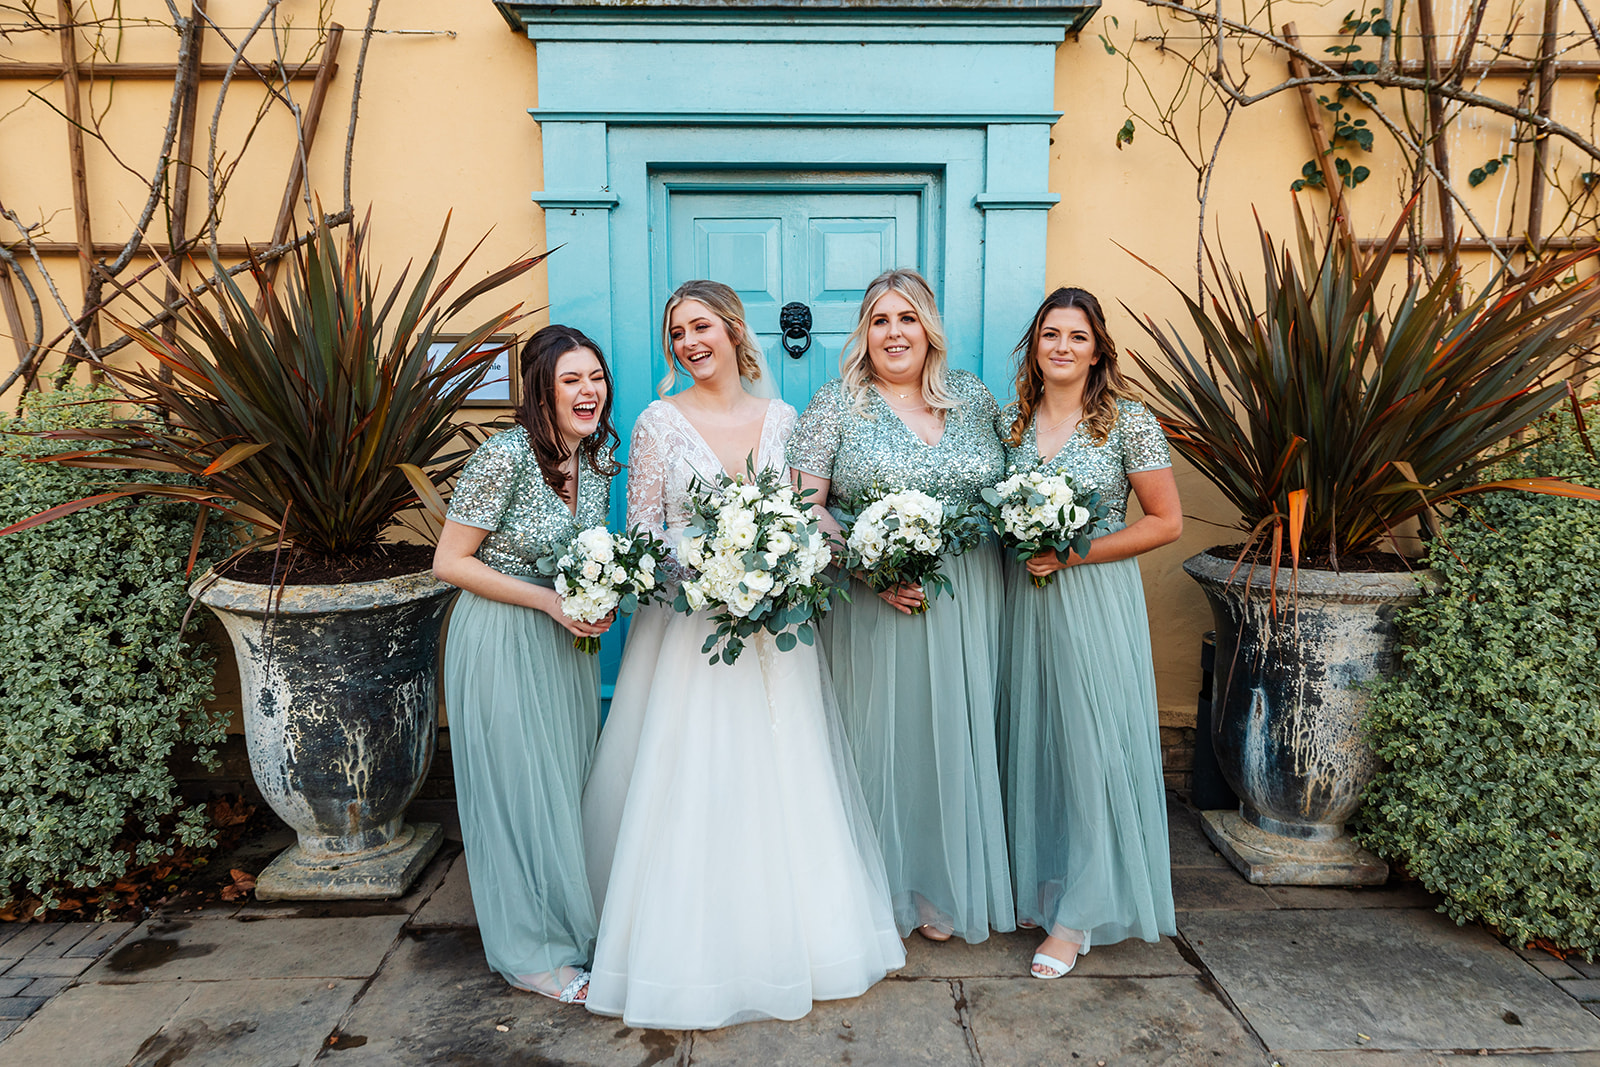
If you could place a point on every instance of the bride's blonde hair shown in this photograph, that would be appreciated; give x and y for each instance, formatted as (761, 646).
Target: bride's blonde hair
(725, 304)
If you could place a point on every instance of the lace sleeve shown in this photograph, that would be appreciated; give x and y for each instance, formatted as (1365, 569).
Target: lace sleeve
(647, 477)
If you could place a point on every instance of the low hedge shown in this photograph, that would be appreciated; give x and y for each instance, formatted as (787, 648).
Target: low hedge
(1490, 730)
(99, 685)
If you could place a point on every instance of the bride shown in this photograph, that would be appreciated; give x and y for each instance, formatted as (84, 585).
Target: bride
(730, 852)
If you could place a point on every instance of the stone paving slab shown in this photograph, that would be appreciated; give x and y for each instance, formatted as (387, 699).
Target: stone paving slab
(1407, 979)
(1008, 956)
(1585, 989)
(93, 1026)
(100, 937)
(20, 1007)
(436, 1001)
(1197, 889)
(10, 987)
(1395, 895)
(47, 967)
(451, 903)
(1149, 1022)
(241, 1023)
(24, 940)
(1188, 843)
(896, 1023)
(219, 948)
(1435, 1059)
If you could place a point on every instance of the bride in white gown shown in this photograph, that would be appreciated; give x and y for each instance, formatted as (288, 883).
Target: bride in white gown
(730, 852)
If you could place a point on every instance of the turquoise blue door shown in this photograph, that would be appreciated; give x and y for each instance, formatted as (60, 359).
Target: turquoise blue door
(779, 246)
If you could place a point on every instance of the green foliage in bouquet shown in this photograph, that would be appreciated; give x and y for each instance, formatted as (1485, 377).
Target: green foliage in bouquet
(100, 684)
(1037, 511)
(896, 537)
(756, 556)
(1490, 729)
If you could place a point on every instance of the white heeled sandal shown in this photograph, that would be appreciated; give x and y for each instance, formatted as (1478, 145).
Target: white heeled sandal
(1060, 968)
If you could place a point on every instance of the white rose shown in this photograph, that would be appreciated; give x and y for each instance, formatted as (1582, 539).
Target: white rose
(742, 531)
(758, 582)
(596, 544)
(592, 569)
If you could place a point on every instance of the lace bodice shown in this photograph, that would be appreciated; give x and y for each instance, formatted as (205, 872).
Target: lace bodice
(667, 452)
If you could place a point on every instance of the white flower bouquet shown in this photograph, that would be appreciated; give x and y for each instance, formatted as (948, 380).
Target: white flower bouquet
(755, 555)
(898, 537)
(602, 572)
(1036, 512)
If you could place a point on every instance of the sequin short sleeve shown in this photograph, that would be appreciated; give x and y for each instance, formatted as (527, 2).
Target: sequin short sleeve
(1144, 445)
(485, 487)
(817, 434)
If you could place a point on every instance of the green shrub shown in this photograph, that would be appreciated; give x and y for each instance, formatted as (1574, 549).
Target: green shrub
(99, 685)
(1491, 728)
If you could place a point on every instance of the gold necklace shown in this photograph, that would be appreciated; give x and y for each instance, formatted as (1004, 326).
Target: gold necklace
(903, 396)
(1075, 412)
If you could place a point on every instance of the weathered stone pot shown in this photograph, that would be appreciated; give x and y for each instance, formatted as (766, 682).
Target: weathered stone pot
(341, 706)
(1286, 715)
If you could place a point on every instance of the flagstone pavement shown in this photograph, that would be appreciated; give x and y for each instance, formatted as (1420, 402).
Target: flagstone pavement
(1299, 977)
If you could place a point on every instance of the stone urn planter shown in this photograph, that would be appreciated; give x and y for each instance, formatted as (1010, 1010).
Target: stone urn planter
(341, 708)
(1286, 715)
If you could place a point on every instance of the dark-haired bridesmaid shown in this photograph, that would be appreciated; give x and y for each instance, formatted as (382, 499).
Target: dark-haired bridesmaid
(1084, 792)
(524, 704)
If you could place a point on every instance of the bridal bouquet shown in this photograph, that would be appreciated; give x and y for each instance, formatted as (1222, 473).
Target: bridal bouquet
(1036, 512)
(602, 572)
(897, 538)
(755, 555)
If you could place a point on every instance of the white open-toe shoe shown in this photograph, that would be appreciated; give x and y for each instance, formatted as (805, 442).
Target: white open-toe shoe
(1050, 963)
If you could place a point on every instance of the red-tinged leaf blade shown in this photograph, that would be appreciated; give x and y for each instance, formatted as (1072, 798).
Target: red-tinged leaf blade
(63, 510)
(1297, 522)
(432, 502)
(232, 457)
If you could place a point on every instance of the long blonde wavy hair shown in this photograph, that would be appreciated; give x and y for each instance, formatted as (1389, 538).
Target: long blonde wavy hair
(855, 363)
(725, 304)
(1105, 386)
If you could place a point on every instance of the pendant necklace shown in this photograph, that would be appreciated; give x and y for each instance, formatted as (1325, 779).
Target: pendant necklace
(1078, 412)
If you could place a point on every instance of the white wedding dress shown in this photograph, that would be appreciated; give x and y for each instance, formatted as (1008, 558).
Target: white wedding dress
(731, 855)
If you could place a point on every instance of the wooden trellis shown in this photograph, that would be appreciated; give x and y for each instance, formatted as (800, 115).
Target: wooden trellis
(72, 73)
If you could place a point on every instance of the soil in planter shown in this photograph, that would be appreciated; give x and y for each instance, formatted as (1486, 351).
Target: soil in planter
(1360, 563)
(388, 561)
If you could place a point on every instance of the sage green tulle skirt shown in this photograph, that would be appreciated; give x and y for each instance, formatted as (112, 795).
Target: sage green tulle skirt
(1085, 800)
(917, 694)
(524, 712)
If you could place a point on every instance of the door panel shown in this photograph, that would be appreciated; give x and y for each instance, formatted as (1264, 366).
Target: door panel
(774, 246)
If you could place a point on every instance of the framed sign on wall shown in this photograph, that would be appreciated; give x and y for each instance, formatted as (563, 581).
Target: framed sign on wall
(500, 387)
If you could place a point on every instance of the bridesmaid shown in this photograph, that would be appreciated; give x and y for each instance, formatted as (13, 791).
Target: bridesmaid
(1083, 762)
(917, 691)
(524, 705)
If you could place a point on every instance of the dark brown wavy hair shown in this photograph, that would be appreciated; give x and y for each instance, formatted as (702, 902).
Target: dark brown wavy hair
(536, 413)
(1105, 386)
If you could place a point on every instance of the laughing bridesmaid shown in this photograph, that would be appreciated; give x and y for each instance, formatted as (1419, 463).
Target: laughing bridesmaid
(524, 704)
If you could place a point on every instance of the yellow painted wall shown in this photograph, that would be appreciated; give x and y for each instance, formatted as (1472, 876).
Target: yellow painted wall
(444, 126)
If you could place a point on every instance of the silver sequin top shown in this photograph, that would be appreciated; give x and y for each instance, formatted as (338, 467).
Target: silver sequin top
(875, 450)
(1134, 444)
(501, 490)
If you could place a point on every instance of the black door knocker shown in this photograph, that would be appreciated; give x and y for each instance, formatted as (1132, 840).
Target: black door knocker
(795, 322)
